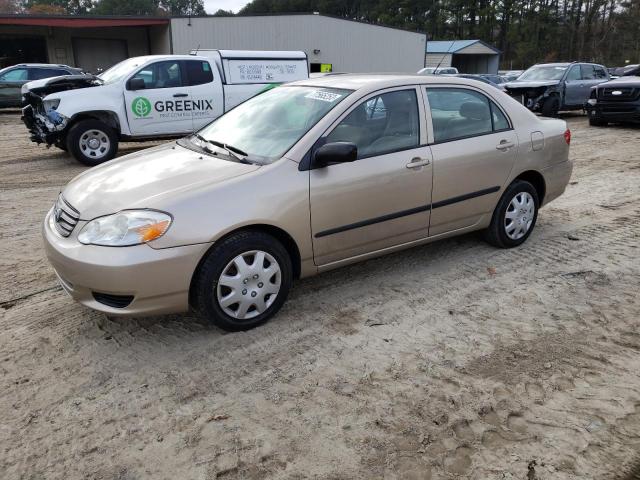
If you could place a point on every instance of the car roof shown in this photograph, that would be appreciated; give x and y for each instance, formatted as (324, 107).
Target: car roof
(42, 65)
(377, 81)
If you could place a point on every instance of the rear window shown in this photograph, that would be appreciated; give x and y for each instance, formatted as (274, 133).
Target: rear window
(198, 72)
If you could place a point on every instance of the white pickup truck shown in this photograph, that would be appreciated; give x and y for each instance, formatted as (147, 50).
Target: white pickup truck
(150, 97)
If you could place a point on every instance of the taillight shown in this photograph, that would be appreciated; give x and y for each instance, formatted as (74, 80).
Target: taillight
(567, 136)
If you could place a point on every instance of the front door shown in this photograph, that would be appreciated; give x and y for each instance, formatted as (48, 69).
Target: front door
(474, 150)
(163, 107)
(382, 199)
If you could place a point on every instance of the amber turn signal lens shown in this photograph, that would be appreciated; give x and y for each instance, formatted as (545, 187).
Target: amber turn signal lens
(153, 231)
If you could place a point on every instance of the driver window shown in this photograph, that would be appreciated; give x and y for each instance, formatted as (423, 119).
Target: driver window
(382, 124)
(161, 75)
(574, 73)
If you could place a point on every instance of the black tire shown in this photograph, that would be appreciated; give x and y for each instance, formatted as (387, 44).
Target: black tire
(92, 127)
(496, 234)
(204, 290)
(597, 122)
(550, 107)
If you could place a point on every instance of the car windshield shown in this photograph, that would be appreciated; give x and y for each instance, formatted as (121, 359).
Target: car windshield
(268, 125)
(543, 73)
(120, 70)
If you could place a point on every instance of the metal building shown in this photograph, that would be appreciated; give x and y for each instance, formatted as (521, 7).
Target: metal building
(346, 45)
(468, 56)
(94, 42)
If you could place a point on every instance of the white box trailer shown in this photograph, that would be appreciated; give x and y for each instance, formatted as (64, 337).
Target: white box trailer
(246, 73)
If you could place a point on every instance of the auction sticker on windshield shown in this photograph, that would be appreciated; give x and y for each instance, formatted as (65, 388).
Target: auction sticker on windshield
(324, 96)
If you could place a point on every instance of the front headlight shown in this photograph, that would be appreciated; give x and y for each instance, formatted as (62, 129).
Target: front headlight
(50, 104)
(592, 101)
(126, 228)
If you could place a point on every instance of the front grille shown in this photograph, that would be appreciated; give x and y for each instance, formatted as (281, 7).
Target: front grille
(115, 301)
(619, 94)
(65, 216)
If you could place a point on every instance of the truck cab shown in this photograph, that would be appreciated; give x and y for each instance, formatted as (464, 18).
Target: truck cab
(149, 97)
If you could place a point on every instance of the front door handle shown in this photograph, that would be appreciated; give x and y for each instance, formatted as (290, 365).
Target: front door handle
(178, 95)
(505, 145)
(418, 162)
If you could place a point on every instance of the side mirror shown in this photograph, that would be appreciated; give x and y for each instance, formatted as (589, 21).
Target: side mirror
(136, 84)
(336, 152)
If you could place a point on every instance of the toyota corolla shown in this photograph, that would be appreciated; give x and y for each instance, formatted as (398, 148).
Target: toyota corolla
(299, 180)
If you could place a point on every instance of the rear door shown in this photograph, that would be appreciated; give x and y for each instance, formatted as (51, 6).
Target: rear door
(163, 107)
(474, 150)
(207, 96)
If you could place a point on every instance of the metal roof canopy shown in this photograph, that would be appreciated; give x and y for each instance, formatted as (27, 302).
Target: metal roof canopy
(81, 21)
(457, 46)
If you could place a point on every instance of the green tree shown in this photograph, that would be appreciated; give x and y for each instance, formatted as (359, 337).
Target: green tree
(183, 7)
(126, 7)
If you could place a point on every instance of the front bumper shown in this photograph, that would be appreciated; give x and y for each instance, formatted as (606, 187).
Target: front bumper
(43, 129)
(616, 112)
(158, 280)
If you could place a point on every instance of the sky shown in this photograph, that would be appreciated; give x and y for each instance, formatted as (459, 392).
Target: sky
(212, 6)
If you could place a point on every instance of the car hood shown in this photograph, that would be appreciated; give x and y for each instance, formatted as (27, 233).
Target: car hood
(46, 86)
(142, 179)
(633, 82)
(531, 84)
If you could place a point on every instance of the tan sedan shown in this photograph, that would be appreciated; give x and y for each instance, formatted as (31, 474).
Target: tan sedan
(301, 179)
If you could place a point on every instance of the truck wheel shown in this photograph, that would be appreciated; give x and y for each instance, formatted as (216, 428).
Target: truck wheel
(550, 107)
(92, 142)
(597, 122)
(515, 216)
(243, 281)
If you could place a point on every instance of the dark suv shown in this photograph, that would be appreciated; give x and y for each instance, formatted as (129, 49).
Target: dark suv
(550, 87)
(617, 101)
(12, 79)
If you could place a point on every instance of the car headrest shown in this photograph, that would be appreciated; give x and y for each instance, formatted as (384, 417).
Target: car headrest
(474, 111)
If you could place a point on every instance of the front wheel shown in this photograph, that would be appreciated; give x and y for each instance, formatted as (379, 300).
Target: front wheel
(550, 107)
(92, 142)
(243, 281)
(515, 216)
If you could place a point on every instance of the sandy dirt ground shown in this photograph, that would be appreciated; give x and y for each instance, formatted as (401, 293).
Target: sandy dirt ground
(453, 360)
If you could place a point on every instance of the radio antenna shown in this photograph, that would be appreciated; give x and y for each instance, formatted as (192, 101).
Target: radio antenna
(442, 59)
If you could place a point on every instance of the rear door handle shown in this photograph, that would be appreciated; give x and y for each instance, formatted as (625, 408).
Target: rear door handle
(178, 95)
(418, 162)
(505, 145)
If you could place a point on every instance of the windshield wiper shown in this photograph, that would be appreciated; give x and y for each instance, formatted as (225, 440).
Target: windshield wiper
(233, 151)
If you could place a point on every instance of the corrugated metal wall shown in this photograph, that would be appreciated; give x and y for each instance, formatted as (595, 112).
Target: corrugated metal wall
(349, 46)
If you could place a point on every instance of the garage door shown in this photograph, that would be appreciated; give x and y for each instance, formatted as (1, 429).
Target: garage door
(97, 54)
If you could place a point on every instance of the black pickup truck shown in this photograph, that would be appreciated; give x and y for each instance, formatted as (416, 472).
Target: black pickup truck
(617, 101)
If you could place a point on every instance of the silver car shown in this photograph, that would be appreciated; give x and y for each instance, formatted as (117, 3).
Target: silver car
(302, 179)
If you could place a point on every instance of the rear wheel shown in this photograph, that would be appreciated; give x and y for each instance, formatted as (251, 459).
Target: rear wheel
(550, 107)
(92, 142)
(243, 281)
(515, 216)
